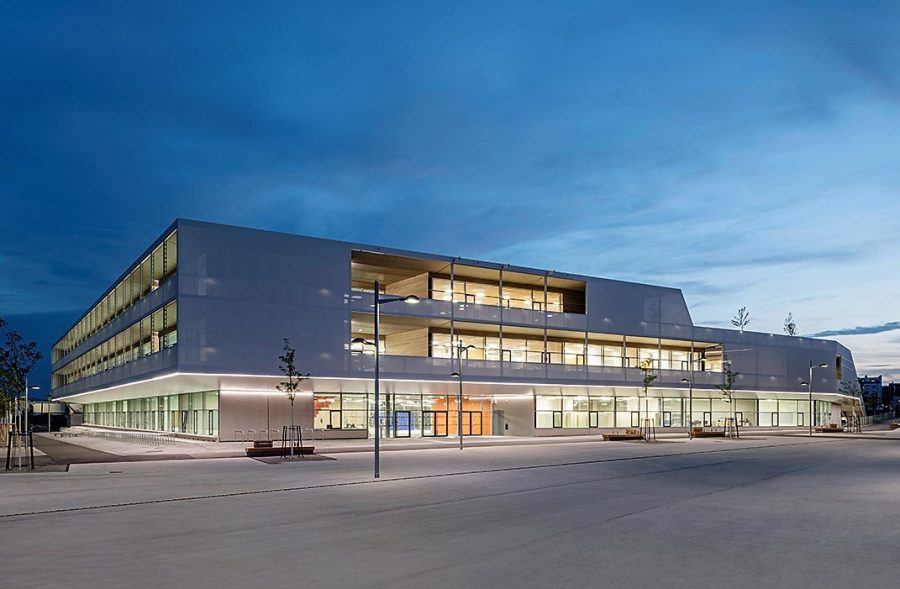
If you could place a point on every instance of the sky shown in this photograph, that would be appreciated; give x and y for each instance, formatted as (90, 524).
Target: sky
(748, 154)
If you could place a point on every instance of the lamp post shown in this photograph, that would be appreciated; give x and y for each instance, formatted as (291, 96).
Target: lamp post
(49, 426)
(690, 382)
(808, 384)
(28, 388)
(458, 375)
(358, 344)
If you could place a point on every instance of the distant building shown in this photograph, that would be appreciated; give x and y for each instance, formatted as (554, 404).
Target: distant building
(890, 395)
(871, 391)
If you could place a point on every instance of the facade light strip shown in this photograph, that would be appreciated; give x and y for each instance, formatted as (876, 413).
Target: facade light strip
(421, 381)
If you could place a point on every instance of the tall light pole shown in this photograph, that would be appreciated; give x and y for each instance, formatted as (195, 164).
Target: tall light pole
(28, 388)
(458, 375)
(49, 426)
(808, 384)
(690, 382)
(358, 344)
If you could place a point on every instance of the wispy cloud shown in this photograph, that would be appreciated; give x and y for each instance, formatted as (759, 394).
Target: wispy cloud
(859, 330)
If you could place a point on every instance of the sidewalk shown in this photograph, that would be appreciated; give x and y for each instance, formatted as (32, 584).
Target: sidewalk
(83, 448)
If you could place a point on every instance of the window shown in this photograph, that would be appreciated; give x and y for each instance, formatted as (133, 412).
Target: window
(143, 279)
(147, 336)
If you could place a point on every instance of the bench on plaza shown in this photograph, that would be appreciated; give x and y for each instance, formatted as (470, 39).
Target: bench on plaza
(630, 434)
(272, 451)
(830, 428)
(700, 432)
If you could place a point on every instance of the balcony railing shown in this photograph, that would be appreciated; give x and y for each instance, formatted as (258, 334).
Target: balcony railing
(362, 302)
(442, 367)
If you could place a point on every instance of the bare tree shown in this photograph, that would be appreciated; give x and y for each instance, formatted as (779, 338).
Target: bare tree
(790, 327)
(742, 319)
(294, 379)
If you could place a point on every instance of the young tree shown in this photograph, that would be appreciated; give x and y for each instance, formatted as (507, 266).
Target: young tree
(647, 371)
(17, 359)
(790, 327)
(294, 378)
(726, 389)
(742, 319)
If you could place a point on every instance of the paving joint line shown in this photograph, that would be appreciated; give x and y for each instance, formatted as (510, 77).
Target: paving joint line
(392, 480)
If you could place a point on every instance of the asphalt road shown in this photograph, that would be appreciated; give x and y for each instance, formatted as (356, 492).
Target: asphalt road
(749, 513)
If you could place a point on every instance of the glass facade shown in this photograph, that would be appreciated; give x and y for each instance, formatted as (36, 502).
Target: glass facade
(485, 293)
(143, 279)
(402, 416)
(530, 348)
(154, 332)
(564, 411)
(187, 413)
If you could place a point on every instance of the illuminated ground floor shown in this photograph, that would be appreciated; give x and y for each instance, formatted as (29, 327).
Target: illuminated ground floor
(240, 410)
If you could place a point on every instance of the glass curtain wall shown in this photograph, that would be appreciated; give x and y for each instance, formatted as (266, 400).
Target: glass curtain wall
(564, 411)
(520, 348)
(402, 416)
(484, 293)
(143, 279)
(187, 413)
(155, 332)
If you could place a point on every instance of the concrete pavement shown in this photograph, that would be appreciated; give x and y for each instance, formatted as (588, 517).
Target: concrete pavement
(757, 512)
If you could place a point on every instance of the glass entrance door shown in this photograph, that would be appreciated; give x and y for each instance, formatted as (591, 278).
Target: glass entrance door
(402, 424)
(434, 424)
(334, 419)
(471, 422)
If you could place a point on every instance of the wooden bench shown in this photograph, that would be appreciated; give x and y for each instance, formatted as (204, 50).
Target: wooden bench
(828, 429)
(271, 451)
(630, 434)
(709, 433)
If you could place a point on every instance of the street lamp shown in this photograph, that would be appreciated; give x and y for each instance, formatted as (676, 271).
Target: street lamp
(458, 375)
(28, 388)
(690, 382)
(358, 344)
(808, 384)
(49, 398)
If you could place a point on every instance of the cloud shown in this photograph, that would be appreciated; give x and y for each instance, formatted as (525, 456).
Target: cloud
(859, 330)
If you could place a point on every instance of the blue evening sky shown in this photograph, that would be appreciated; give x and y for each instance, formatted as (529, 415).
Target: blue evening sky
(748, 153)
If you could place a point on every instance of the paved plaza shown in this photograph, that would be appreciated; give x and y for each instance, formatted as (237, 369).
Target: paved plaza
(777, 511)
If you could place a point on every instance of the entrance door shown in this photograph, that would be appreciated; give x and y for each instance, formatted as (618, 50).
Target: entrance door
(334, 419)
(402, 424)
(434, 424)
(774, 419)
(707, 419)
(667, 419)
(800, 419)
(471, 422)
(635, 419)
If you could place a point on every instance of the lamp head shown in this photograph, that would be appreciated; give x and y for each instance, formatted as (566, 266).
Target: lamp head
(823, 365)
(454, 375)
(685, 380)
(358, 344)
(804, 383)
(411, 299)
